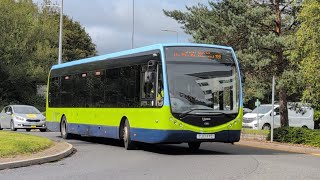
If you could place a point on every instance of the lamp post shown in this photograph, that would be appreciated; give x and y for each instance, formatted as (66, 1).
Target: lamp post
(60, 31)
(168, 30)
(132, 38)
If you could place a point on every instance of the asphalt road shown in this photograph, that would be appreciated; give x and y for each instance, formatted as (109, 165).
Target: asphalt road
(107, 159)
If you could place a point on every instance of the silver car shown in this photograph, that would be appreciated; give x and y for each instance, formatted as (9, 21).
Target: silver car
(22, 117)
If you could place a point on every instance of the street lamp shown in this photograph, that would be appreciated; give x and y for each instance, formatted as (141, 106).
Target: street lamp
(60, 32)
(132, 38)
(168, 30)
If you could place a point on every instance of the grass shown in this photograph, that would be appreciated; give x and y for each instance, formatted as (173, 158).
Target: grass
(255, 131)
(13, 144)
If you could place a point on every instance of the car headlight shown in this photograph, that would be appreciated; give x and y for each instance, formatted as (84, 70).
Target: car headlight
(19, 118)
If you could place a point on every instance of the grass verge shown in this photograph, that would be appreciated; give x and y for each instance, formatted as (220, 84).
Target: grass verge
(13, 144)
(255, 131)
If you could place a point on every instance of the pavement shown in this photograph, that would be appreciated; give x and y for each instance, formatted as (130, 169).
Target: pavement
(63, 149)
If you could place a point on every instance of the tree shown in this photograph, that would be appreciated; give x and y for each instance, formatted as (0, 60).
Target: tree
(307, 54)
(257, 30)
(29, 47)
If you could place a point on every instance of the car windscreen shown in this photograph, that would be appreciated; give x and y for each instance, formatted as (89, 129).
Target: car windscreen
(262, 109)
(25, 110)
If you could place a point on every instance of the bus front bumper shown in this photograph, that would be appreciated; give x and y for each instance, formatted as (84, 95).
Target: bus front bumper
(181, 136)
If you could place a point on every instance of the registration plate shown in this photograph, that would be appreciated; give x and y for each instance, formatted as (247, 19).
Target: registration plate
(206, 136)
(33, 126)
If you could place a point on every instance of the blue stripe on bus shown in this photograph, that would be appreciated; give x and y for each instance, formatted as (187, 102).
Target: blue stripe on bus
(146, 135)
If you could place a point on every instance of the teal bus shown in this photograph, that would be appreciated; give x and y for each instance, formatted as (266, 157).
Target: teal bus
(163, 93)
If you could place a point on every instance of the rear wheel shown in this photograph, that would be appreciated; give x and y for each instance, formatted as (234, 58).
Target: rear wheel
(128, 143)
(194, 146)
(64, 129)
(12, 126)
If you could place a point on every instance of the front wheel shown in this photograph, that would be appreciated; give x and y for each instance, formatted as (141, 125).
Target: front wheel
(64, 128)
(12, 126)
(128, 144)
(266, 127)
(194, 146)
(28, 130)
(43, 130)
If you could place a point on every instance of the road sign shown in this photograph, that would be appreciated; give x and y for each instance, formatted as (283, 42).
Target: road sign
(257, 103)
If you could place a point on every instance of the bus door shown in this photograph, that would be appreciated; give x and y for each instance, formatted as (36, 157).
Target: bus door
(150, 78)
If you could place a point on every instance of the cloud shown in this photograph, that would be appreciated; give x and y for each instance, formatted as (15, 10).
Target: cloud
(109, 22)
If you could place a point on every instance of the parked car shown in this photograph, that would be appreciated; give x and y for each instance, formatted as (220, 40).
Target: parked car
(302, 118)
(22, 117)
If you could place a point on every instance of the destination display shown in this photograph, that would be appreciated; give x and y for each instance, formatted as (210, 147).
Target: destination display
(198, 54)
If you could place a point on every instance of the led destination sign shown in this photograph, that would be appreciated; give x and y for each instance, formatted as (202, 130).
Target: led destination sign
(198, 54)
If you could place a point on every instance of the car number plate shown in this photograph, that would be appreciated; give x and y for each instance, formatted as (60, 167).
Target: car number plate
(33, 126)
(206, 136)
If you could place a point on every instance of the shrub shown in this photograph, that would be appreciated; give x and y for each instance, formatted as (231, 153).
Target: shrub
(297, 135)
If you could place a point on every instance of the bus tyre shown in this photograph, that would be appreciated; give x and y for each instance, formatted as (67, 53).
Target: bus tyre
(64, 129)
(12, 126)
(266, 127)
(194, 146)
(128, 143)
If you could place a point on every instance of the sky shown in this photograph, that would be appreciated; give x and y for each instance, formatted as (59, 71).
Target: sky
(109, 22)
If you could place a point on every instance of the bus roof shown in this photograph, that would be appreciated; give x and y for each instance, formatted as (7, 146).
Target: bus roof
(132, 51)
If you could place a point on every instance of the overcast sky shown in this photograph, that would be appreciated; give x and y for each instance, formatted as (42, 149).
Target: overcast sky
(109, 22)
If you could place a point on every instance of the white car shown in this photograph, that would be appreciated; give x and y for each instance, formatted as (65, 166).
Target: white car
(261, 118)
(22, 117)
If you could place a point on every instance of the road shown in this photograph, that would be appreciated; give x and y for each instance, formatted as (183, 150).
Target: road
(106, 159)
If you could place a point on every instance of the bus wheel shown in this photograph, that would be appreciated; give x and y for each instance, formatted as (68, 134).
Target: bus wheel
(194, 146)
(64, 128)
(128, 144)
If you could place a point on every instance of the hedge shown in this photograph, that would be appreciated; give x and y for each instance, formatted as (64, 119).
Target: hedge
(297, 135)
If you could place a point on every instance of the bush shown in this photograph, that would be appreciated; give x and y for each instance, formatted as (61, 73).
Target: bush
(297, 135)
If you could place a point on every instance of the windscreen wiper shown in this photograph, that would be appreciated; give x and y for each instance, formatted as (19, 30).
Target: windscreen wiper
(184, 114)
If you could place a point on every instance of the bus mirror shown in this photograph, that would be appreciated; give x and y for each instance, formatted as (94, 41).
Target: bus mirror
(243, 78)
(152, 64)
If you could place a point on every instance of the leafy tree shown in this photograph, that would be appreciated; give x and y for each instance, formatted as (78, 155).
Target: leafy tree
(257, 30)
(29, 47)
(307, 54)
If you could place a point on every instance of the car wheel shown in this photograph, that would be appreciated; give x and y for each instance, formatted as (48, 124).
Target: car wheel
(266, 127)
(43, 130)
(12, 126)
(64, 129)
(0, 127)
(28, 130)
(128, 143)
(194, 146)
